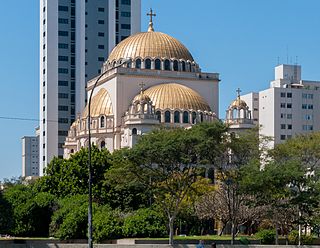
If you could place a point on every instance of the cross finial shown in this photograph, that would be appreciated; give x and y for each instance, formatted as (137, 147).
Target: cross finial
(238, 92)
(151, 14)
(142, 86)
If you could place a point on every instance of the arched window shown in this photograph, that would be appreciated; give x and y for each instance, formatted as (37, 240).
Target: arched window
(102, 144)
(114, 64)
(72, 151)
(176, 116)
(189, 66)
(201, 117)
(167, 65)
(194, 117)
(167, 117)
(129, 64)
(185, 117)
(158, 114)
(175, 65)
(134, 131)
(183, 65)
(147, 64)
(138, 63)
(157, 64)
(102, 122)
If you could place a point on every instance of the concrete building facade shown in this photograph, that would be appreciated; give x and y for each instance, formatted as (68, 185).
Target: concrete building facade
(75, 39)
(30, 156)
(290, 106)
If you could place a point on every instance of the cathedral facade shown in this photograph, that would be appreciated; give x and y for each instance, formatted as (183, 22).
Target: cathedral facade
(149, 80)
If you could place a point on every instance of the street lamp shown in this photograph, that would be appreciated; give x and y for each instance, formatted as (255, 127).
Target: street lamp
(90, 244)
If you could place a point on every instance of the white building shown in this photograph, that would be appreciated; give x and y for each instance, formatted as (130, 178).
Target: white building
(75, 38)
(30, 156)
(161, 86)
(290, 106)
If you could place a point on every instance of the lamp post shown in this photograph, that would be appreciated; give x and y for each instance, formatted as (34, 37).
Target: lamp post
(90, 244)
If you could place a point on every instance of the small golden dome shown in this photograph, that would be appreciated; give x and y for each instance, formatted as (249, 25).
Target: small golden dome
(175, 96)
(238, 103)
(142, 97)
(150, 44)
(101, 104)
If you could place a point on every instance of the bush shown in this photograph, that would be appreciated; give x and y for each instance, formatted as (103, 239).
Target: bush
(107, 224)
(267, 236)
(71, 219)
(144, 223)
(294, 238)
(244, 241)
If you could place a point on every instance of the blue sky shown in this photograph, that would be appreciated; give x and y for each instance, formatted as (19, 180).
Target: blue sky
(240, 39)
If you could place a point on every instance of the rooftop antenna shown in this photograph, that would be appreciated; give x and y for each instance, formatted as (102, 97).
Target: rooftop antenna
(278, 60)
(296, 63)
(287, 55)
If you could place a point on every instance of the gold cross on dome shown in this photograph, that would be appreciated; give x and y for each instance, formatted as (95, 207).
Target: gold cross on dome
(151, 14)
(238, 91)
(142, 86)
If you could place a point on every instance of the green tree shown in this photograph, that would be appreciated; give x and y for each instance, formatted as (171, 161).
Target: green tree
(64, 177)
(167, 162)
(70, 220)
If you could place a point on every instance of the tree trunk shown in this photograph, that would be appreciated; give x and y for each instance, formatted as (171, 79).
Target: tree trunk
(171, 220)
(299, 236)
(222, 230)
(277, 233)
(232, 232)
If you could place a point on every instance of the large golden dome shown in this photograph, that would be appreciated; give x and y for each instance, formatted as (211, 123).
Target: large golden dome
(100, 105)
(175, 96)
(150, 44)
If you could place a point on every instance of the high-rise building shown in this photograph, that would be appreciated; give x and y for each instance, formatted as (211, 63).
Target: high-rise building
(75, 39)
(30, 156)
(290, 106)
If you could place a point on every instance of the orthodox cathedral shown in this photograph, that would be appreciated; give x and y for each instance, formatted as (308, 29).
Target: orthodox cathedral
(149, 80)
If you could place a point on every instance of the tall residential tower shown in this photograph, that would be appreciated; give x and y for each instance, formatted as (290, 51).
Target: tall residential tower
(76, 37)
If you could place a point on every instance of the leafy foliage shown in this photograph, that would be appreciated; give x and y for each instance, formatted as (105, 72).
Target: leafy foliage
(144, 223)
(266, 236)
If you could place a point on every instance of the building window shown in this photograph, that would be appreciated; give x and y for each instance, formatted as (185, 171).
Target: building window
(307, 127)
(100, 58)
(310, 106)
(194, 117)
(138, 63)
(176, 117)
(102, 122)
(63, 108)
(167, 117)
(290, 126)
(308, 117)
(289, 95)
(63, 96)
(102, 144)
(289, 105)
(100, 9)
(125, 26)
(63, 21)
(282, 105)
(175, 65)
(62, 83)
(101, 34)
(63, 8)
(183, 64)
(185, 117)
(134, 131)
(101, 46)
(63, 46)
(167, 65)
(63, 33)
(282, 137)
(148, 64)
(62, 133)
(157, 64)
(304, 106)
(125, 14)
(100, 21)
(289, 116)
(282, 115)
(63, 58)
(283, 126)
(126, 2)
(158, 114)
(63, 70)
(282, 94)
(63, 120)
